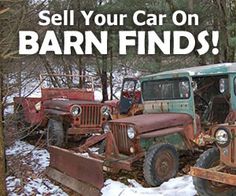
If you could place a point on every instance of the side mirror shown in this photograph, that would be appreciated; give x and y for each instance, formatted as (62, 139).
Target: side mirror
(223, 85)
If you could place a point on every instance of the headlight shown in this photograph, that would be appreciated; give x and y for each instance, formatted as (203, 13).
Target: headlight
(131, 133)
(106, 111)
(223, 137)
(75, 110)
(38, 106)
(106, 128)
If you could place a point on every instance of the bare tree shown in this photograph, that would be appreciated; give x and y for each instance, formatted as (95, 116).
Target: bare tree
(12, 17)
(2, 149)
(2, 145)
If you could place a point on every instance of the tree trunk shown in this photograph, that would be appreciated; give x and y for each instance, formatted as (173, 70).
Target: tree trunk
(81, 72)
(111, 76)
(223, 28)
(77, 7)
(217, 58)
(171, 5)
(104, 79)
(49, 69)
(190, 6)
(2, 146)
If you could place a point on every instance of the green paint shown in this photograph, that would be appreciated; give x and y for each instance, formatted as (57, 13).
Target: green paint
(232, 79)
(187, 105)
(216, 69)
(174, 139)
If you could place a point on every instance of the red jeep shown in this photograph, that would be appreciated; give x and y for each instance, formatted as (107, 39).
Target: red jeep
(71, 111)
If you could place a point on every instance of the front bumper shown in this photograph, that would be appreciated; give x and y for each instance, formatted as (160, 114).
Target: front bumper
(213, 175)
(112, 159)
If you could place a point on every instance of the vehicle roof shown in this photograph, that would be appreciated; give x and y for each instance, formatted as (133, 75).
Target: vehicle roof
(214, 69)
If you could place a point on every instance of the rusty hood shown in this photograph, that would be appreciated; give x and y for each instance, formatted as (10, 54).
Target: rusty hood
(65, 104)
(148, 122)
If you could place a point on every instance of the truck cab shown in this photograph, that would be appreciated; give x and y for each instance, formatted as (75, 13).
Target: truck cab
(214, 171)
(179, 106)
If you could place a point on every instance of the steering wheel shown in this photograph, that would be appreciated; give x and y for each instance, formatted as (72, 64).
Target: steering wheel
(203, 105)
(128, 94)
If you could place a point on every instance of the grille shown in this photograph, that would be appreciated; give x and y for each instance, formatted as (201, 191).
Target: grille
(120, 134)
(91, 115)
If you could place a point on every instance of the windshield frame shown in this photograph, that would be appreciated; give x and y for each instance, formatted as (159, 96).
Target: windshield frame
(184, 78)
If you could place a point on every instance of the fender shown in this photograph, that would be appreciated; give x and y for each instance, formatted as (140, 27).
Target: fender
(177, 134)
(162, 132)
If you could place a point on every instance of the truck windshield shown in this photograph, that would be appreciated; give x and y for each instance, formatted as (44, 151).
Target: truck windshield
(166, 89)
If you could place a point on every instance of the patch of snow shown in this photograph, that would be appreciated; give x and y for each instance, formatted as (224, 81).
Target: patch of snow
(42, 187)
(38, 186)
(30, 88)
(40, 157)
(174, 187)
(94, 149)
(98, 95)
(86, 155)
(12, 183)
(39, 160)
(19, 148)
(134, 183)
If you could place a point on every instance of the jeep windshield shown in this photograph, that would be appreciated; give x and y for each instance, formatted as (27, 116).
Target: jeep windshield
(166, 89)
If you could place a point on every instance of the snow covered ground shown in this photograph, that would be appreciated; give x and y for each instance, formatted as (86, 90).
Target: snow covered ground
(37, 184)
(174, 187)
(37, 159)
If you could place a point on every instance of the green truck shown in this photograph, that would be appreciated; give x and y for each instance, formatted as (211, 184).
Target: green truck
(180, 108)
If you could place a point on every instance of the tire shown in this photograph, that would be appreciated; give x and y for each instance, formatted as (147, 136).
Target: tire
(208, 159)
(160, 164)
(55, 133)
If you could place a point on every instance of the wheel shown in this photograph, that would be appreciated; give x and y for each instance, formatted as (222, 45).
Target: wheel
(55, 133)
(160, 164)
(208, 159)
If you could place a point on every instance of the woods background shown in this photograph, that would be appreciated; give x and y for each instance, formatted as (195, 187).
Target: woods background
(16, 71)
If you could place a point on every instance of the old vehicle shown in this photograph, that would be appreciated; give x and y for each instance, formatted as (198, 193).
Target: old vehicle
(179, 106)
(72, 110)
(70, 117)
(214, 173)
(31, 111)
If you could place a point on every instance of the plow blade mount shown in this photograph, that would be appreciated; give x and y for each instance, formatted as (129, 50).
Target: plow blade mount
(81, 174)
(213, 175)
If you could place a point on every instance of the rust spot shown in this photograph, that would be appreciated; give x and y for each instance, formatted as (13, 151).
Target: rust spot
(213, 175)
(78, 167)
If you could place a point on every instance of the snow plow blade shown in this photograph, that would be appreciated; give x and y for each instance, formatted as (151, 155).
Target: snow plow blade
(81, 174)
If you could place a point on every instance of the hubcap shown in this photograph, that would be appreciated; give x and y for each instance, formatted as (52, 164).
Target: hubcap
(164, 167)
